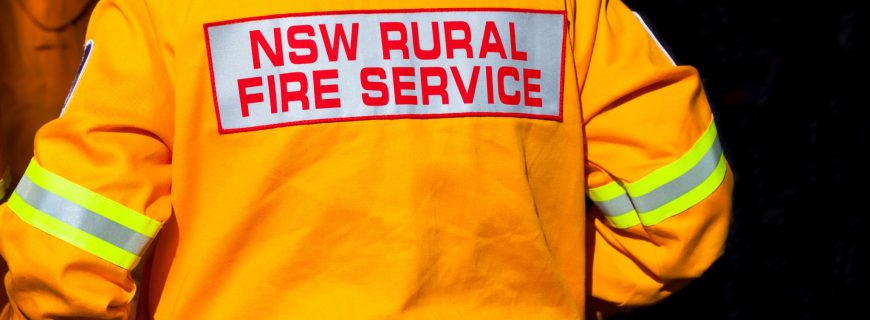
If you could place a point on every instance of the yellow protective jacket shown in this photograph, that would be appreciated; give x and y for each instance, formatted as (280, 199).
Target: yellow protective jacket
(368, 160)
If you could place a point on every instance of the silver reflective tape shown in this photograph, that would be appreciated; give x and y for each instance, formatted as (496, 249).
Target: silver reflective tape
(80, 218)
(496, 62)
(616, 206)
(676, 188)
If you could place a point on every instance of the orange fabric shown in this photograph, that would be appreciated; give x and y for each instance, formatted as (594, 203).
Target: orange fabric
(467, 217)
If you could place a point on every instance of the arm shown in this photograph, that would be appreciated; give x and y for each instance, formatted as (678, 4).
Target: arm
(657, 178)
(97, 189)
(4, 181)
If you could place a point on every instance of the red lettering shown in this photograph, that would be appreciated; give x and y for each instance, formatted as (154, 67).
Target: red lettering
(399, 85)
(516, 54)
(381, 87)
(246, 98)
(489, 95)
(332, 46)
(258, 41)
(466, 92)
(427, 89)
(288, 96)
(529, 87)
(273, 101)
(430, 54)
(400, 44)
(491, 41)
(504, 72)
(307, 43)
(463, 43)
(319, 89)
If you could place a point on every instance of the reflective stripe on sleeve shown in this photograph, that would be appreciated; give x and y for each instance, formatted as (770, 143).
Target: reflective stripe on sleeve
(615, 204)
(673, 170)
(81, 217)
(671, 189)
(690, 198)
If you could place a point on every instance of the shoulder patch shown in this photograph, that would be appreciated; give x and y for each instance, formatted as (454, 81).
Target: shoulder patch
(89, 46)
(320, 67)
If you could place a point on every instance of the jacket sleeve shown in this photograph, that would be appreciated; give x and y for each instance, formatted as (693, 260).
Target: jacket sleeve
(658, 182)
(97, 190)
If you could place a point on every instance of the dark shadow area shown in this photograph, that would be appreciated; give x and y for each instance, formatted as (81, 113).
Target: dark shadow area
(786, 82)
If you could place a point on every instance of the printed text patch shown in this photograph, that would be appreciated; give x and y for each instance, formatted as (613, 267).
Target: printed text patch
(325, 67)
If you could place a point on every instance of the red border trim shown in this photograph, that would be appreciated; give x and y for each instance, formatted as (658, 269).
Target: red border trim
(388, 11)
(562, 78)
(557, 118)
(396, 117)
(217, 110)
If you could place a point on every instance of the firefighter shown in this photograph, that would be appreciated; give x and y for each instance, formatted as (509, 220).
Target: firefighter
(368, 160)
(40, 47)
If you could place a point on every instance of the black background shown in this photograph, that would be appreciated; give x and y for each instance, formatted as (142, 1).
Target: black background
(787, 82)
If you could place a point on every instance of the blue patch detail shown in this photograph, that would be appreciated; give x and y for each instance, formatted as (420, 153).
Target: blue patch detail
(85, 57)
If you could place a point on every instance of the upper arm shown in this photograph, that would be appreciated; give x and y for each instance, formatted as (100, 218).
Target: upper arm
(97, 189)
(656, 173)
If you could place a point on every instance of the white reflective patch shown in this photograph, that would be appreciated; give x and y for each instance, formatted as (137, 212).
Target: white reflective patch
(343, 66)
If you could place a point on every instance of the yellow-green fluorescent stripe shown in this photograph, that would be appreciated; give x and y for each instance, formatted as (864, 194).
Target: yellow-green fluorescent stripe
(624, 221)
(606, 192)
(615, 204)
(680, 185)
(668, 190)
(688, 199)
(674, 169)
(92, 201)
(71, 235)
(83, 219)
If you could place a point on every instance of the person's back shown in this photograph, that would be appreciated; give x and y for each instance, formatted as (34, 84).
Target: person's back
(351, 159)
